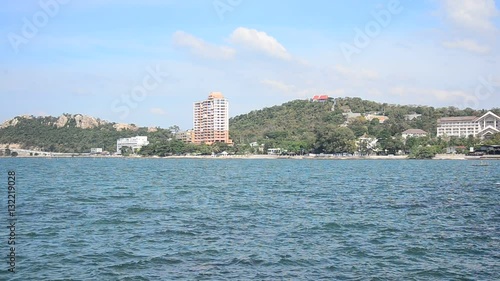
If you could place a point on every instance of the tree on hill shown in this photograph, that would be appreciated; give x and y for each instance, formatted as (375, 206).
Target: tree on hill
(331, 139)
(424, 152)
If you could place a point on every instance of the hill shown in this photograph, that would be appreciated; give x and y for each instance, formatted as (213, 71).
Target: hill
(298, 126)
(301, 124)
(70, 133)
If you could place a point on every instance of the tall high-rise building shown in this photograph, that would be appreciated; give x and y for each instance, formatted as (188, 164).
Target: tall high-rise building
(211, 120)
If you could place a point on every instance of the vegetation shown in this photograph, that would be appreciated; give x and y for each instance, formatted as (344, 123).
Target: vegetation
(41, 133)
(176, 147)
(297, 127)
(302, 125)
(424, 152)
(493, 141)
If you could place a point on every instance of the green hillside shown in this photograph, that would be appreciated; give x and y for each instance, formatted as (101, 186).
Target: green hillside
(298, 126)
(303, 124)
(44, 133)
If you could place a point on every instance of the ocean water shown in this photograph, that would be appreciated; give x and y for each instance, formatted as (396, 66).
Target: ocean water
(212, 219)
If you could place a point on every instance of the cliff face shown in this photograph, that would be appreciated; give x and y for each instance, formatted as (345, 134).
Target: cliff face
(79, 121)
(15, 121)
(76, 120)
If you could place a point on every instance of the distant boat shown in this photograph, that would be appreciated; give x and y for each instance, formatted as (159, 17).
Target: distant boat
(482, 163)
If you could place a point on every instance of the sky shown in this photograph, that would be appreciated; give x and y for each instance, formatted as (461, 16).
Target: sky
(146, 62)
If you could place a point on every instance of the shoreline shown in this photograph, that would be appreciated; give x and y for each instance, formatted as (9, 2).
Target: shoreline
(268, 157)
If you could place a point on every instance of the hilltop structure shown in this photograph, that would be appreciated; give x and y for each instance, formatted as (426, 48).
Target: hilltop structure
(320, 98)
(211, 120)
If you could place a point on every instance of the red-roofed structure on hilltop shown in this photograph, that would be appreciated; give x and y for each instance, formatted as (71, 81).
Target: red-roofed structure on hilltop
(320, 98)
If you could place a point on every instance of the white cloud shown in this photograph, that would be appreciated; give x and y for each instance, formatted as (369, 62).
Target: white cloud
(259, 41)
(443, 96)
(475, 15)
(157, 111)
(467, 45)
(278, 85)
(343, 72)
(201, 48)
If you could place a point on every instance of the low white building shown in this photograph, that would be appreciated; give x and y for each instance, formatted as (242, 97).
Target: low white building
(274, 151)
(366, 144)
(414, 133)
(135, 143)
(185, 136)
(96, 150)
(464, 126)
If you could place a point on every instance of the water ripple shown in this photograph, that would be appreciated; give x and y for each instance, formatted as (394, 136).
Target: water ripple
(178, 219)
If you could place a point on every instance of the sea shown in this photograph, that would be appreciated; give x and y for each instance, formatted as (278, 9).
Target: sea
(250, 219)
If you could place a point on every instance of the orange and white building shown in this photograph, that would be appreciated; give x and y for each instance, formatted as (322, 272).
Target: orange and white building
(211, 120)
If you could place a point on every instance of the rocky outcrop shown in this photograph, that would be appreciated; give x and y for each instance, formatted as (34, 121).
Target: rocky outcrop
(77, 120)
(81, 121)
(15, 121)
(121, 127)
(87, 122)
(62, 121)
(10, 145)
(9, 123)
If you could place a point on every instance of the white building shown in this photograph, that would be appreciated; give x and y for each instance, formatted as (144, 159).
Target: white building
(481, 127)
(414, 133)
(274, 151)
(366, 143)
(96, 150)
(135, 143)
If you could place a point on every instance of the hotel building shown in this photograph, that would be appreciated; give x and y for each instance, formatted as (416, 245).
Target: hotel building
(464, 126)
(135, 143)
(211, 120)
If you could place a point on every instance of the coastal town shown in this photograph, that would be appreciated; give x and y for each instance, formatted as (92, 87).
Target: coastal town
(211, 128)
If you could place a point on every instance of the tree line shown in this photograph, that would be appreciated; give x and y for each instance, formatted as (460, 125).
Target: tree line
(297, 127)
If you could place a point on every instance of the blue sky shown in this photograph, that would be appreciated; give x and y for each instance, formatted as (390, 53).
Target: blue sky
(146, 62)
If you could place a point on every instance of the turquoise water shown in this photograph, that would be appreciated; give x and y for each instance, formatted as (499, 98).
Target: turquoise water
(180, 219)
